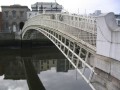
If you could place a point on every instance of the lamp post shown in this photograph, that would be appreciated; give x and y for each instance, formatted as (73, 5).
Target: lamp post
(56, 8)
(56, 5)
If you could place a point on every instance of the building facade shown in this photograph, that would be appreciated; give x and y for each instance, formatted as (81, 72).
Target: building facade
(96, 13)
(44, 7)
(117, 19)
(1, 22)
(14, 17)
(47, 7)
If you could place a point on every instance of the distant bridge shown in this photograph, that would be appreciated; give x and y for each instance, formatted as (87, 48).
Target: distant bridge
(84, 40)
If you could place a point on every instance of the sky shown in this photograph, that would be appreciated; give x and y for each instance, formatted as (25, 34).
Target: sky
(75, 6)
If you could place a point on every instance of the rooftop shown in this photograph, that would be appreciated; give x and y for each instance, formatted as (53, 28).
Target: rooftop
(45, 3)
(14, 6)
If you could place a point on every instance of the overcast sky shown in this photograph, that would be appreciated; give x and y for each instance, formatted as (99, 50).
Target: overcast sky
(73, 5)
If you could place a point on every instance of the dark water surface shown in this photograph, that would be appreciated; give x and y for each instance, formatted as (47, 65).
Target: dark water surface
(54, 71)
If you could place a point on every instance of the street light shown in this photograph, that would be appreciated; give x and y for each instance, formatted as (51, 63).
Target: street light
(56, 5)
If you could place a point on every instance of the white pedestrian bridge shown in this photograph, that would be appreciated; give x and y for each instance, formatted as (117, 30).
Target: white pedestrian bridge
(85, 41)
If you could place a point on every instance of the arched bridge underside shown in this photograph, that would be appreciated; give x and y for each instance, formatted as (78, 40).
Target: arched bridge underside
(77, 49)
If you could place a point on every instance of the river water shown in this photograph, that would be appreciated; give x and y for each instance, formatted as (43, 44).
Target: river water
(53, 69)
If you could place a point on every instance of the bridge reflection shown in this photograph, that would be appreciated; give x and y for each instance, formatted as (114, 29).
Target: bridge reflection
(24, 63)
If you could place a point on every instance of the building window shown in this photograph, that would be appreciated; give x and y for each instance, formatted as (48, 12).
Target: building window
(6, 13)
(41, 8)
(118, 22)
(41, 67)
(75, 18)
(47, 62)
(47, 66)
(53, 61)
(14, 13)
(41, 62)
(7, 25)
(80, 19)
(71, 18)
(94, 21)
(21, 13)
(53, 16)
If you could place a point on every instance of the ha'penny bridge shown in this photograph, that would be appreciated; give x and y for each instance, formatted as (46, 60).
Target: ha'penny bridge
(91, 44)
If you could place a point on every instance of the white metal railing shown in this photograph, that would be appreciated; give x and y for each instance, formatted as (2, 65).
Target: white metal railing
(75, 28)
(84, 23)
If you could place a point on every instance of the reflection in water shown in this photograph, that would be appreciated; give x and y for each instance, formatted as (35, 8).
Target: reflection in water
(55, 74)
(62, 65)
(14, 69)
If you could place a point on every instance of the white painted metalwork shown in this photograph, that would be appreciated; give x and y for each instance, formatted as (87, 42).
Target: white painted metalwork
(85, 29)
(62, 46)
(74, 36)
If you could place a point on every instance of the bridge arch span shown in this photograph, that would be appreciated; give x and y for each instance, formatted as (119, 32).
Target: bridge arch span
(82, 41)
(77, 53)
(34, 34)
